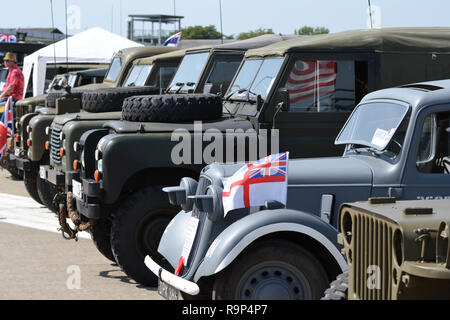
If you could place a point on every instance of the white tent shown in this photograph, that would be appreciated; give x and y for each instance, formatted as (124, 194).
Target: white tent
(94, 45)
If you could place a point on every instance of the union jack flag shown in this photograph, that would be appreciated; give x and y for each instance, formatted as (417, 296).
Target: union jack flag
(257, 182)
(6, 126)
(310, 78)
(7, 38)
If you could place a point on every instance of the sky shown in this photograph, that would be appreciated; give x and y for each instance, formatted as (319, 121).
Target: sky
(282, 16)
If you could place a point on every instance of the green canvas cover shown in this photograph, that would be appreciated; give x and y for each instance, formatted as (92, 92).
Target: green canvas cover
(420, 39)
(172, 56)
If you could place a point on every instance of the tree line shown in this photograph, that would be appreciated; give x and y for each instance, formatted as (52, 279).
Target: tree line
(210, 32)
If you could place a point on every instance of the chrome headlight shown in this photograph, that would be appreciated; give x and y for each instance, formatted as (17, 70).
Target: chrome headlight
(211, 202)
(100, 166)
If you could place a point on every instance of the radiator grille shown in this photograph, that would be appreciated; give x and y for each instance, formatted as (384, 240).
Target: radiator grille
(371, 256)
(55, 145)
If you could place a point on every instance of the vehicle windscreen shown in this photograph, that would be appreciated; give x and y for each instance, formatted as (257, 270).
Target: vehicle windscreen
(138, 75)
(189, 71)
(255, 78)
(372, 125)
(72, 80)
(114, 69)
(221, 74)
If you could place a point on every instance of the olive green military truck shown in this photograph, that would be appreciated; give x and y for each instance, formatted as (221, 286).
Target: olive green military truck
(30, 153)
(395, 250)
(298, 92)
(146, 75)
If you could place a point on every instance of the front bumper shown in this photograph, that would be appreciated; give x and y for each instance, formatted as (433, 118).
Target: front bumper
(53, 176)
(171, 279)
(26, 164)
(89, 204)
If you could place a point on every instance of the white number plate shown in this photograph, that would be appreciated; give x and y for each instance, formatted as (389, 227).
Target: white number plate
(190, 236)
(76, 189)
(42, 173)
(16, 152)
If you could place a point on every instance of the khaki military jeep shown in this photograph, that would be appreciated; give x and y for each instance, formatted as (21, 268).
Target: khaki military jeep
(395, 250)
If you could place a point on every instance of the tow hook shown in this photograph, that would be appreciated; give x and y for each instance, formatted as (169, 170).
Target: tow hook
(66, 209)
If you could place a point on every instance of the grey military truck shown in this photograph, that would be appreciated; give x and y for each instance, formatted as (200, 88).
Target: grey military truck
(273, 92)
(31, 153)
(195, 92)
(396, 145)
(396, 250)
(145, 76)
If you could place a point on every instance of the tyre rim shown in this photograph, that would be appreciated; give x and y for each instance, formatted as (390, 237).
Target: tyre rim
(274, 280)
(149, 232)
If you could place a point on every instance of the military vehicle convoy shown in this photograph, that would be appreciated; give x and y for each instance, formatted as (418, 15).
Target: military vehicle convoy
(276, 87)
(146, 74)
(194, 92)
(396, 145)
(395, 250)
(30, 150)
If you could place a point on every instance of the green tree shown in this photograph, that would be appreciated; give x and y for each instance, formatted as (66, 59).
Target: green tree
(306, 30)
(255, 33)
(200, 32)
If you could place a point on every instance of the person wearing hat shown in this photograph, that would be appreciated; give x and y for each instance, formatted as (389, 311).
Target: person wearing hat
(14, 82)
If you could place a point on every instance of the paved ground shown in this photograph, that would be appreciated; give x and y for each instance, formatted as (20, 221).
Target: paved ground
(36, 263)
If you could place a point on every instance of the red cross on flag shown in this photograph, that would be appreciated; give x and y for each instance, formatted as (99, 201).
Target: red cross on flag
(257, 182)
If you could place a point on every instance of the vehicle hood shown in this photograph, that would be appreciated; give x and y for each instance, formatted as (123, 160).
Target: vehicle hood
(87, 116)
(221, 124)
(311, 171)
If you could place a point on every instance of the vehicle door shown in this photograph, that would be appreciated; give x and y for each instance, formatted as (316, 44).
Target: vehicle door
(323, 90)
(427, 171)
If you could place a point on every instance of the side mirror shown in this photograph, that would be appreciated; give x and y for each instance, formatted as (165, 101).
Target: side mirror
(282, 97)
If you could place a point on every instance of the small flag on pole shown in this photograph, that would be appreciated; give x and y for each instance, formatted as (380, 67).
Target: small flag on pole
(173, 40)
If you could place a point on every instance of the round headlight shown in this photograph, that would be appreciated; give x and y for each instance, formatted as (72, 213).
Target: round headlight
(347, 227)
(190, 185)
(76, 146)
(217, 204)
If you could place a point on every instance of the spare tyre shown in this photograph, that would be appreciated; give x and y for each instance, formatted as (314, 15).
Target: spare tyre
(111, 99)
(50, 100)
(172, 108)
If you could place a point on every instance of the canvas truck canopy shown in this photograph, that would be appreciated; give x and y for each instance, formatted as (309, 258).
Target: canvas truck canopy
(432, 39)
(247, 44)
(174, 56)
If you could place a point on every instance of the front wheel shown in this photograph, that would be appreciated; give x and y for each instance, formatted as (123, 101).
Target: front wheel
(272, 270)
(136, 230)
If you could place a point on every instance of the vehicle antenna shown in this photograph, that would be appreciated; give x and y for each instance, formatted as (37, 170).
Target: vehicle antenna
(370, 13)
(221, 31)
(53, 32)
(67, 43)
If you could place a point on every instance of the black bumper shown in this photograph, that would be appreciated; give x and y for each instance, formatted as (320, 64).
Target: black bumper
(89, 205)
(26, 164)
(53, 176)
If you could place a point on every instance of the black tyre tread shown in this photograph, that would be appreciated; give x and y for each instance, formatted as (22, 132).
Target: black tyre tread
(46, 192)
(111, 99)
(123, 245)
(172, 108)
(101, 236)
(30, 181)
(338, 289)
(260, 252)
(50, 100)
